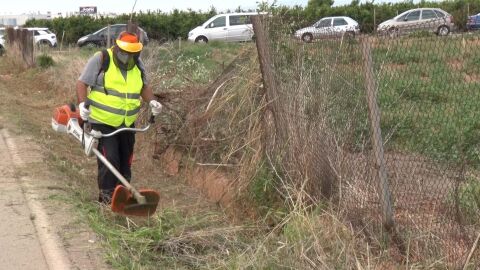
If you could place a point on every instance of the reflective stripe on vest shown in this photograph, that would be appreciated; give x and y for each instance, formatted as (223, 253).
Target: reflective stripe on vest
(115, 92)
(118, 101)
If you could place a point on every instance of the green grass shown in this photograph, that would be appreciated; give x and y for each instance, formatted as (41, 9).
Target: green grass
(168, 240)
(427, 105)
(467, 197)
(263, 192)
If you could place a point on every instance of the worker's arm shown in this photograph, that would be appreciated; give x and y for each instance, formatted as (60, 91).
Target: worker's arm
(88, 76)
(81, 91)
(149, 98)
(147, 94)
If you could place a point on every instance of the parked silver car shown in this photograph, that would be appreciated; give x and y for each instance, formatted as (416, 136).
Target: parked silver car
(329, 27)
(420, 19)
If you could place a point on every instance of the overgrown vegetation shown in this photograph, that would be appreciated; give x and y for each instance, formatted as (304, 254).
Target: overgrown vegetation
(215, 109)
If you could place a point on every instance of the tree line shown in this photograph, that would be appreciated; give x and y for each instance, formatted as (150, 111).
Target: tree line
(172, 25)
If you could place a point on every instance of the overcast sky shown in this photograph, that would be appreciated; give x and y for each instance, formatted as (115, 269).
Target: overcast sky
(125, 6)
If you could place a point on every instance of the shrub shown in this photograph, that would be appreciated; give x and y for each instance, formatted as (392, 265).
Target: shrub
(45, 61)
(468, 199)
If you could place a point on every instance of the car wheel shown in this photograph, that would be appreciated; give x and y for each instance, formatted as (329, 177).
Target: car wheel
(393, 32)
(2, 50)
(44, 44)
(349, 35)
(201, 39)
(443, 30)
(307, 37)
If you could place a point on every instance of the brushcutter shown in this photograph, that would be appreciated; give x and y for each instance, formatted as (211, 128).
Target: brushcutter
(126, 200)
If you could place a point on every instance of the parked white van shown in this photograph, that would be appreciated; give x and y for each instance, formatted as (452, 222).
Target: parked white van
(224, 27)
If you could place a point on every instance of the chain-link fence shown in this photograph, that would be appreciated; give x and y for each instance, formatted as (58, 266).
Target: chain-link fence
(386, 126)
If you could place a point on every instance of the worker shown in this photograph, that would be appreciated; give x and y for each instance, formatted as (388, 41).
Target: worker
(116, 81)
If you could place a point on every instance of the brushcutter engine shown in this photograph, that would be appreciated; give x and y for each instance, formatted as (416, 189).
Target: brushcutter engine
(67, 120)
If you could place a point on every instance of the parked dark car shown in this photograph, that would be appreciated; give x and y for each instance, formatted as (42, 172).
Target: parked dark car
(100, 37)
(473, 22)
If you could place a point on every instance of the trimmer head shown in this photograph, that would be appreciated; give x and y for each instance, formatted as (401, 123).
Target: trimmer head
(124, 203)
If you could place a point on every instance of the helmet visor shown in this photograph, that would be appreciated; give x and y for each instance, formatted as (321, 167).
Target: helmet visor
(129, 47)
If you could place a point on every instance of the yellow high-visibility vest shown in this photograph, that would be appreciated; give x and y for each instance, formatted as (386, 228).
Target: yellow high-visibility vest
(118, 102)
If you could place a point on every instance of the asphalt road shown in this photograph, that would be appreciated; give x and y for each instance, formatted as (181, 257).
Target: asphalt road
(26, 239)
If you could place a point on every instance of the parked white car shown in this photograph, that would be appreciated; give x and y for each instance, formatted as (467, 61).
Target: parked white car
(329, 27)
(224, 27)
(2, 41)
(43, 36)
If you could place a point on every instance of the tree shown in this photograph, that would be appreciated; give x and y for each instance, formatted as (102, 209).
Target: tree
(314, 4)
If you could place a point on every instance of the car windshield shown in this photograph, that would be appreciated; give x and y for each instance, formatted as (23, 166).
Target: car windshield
(99, 31)
(401, 16)
(323, 23)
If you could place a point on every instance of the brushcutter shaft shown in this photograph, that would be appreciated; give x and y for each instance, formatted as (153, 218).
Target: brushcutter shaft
(140, 199)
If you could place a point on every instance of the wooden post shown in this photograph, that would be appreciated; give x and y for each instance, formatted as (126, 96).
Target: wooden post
(109, 38)
(374, 21)
(133, 28)
(61, 42)
(271, 93)
(25, 43)
(377, 142)
(264, 59)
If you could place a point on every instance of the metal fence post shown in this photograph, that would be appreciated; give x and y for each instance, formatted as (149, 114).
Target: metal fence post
(377, 142)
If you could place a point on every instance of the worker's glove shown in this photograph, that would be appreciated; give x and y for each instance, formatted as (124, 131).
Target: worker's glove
(156, 107)
(84, 112)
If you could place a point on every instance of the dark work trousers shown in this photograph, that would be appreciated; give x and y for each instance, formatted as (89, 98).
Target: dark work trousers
(118, 150)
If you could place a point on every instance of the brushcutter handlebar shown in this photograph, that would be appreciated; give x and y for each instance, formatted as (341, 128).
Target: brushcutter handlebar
(151, 120)
(147, 127)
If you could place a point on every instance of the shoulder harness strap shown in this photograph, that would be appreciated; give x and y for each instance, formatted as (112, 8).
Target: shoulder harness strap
(106, 63)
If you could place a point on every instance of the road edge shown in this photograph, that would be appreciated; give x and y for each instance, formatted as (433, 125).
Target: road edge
(52, 249)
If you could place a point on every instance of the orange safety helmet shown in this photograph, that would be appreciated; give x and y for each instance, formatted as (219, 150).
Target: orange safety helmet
(129, 42)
